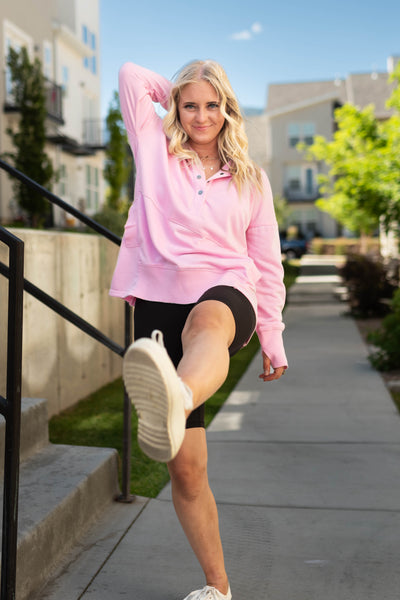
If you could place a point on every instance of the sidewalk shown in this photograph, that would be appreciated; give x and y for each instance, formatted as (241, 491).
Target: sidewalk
(305, 471)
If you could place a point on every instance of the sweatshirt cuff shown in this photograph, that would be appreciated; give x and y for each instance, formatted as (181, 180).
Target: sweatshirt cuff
(271, 342)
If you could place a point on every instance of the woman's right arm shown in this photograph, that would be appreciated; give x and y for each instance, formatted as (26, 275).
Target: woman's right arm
(138, 89)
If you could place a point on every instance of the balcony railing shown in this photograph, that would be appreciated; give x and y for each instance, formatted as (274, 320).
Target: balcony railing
(54, 100)
(301, 194)
(94, 133)
(53, 93)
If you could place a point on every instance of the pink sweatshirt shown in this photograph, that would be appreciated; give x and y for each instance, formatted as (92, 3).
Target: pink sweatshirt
(185, 234)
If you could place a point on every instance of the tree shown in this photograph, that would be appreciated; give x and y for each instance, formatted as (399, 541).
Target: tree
(390, 175)
(350, 193)
(29, 138)
(282, 211)
(119, 165)
(363, 183)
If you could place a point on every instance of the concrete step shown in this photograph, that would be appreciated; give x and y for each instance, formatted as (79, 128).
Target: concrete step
(63, 490)
(34, 428)
(318, 292)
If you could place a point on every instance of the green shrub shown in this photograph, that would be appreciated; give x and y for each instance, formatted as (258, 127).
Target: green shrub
(387, 339)
(317, 245)
(344, 246)
(367, 285)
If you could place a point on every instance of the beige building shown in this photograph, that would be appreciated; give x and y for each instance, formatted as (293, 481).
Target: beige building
(65, 36)
(296, 112)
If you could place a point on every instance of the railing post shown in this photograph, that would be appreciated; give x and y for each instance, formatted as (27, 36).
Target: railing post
(12, 412)
(126, 495)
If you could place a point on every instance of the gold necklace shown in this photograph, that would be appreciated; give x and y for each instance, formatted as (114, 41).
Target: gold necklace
(209, 158)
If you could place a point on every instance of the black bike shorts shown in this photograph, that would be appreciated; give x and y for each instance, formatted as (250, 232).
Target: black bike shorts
(171, 318)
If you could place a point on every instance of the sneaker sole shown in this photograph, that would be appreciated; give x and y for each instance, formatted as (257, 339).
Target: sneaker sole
(154, 389)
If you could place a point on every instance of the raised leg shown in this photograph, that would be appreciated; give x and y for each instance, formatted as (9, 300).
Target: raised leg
(206, 337)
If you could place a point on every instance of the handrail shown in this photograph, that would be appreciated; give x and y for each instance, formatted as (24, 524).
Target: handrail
(10, 408)
(78, 321)
(61, 203)
(67, 314)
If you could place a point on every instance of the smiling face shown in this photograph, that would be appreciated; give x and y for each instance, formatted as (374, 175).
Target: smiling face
(200, 115)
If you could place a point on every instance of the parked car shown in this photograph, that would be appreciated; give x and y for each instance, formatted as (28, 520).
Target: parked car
(293, 248)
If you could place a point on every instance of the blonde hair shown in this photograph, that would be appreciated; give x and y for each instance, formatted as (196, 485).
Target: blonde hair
(232, 140)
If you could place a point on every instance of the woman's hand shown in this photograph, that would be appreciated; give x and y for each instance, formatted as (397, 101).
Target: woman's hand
(267, 375)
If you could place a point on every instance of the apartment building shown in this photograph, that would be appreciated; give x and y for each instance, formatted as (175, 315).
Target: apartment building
(65, 36)
(296, 112)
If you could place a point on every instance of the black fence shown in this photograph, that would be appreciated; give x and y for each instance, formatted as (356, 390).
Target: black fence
(10, 406)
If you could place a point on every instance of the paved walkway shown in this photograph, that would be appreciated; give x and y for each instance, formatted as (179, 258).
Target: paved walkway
(306, 473)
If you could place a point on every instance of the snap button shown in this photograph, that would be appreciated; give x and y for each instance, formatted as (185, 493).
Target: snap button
(200, 192)
(198, 176)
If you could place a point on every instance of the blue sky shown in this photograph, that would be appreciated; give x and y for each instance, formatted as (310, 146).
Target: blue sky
(257, 41)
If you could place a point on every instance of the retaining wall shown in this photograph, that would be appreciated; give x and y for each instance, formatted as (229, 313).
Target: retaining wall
(61, 363)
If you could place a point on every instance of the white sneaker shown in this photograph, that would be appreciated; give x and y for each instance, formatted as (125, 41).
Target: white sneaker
(209, 593)
(156, 391)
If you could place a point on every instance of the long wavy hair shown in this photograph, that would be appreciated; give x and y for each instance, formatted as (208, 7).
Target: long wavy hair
(232, 139)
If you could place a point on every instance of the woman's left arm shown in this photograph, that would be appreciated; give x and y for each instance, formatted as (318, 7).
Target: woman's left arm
(264, 249)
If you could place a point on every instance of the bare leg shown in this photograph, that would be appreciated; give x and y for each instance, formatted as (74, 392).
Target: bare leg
(206, 337)
(195, 507)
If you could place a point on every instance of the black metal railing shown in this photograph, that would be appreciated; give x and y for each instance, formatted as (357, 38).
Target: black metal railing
(72, 317)
(10, 408)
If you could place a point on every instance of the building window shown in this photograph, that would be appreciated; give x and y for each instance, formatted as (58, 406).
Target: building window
(47, 60)
(300, 181)
(309, 181)
(308, 133)
(294, 134)
(13, 38)
(85, 34)
(92, 188)
(293, 178)
(64, 80)
(63, 181)
(89, 39)
(301, 132)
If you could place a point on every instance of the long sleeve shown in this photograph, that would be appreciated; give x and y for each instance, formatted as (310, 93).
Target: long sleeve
(264, 249)
(139, 88)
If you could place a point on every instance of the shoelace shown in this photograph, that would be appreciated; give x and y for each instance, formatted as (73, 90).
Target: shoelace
(158, 337)
(207, 593)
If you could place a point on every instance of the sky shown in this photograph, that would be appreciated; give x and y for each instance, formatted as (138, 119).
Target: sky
(258, 42)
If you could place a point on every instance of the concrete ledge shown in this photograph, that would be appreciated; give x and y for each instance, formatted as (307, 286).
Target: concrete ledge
(34, 428)
(63, 489)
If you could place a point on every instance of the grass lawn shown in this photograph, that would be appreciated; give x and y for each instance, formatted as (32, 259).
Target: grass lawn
(98, 419)
(396, 399)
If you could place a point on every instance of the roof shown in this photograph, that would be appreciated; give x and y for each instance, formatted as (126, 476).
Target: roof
(360, 89)
(370, 88)
(281, 95)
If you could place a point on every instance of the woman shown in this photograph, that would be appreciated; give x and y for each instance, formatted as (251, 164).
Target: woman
(200, 260)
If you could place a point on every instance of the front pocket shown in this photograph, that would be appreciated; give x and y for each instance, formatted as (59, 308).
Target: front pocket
(131, 237)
